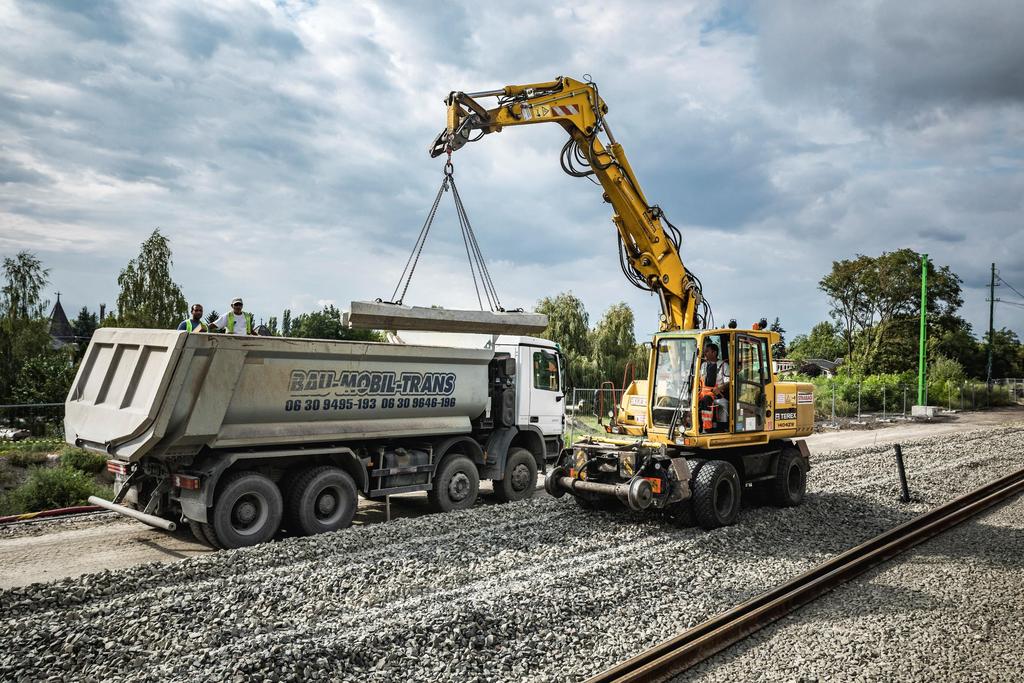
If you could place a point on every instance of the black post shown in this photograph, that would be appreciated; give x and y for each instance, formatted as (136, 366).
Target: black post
(905, 493)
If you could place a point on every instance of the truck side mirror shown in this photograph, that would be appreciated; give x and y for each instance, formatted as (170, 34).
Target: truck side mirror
(558, 399)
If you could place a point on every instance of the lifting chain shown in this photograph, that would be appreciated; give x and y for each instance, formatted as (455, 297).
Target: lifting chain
(477, 264)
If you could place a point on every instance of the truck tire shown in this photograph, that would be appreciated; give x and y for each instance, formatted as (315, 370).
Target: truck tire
(790, 482)
(247, 511)
(456, 485)
(204, 534)
(520, 479)
(321, 499)
(716, 494)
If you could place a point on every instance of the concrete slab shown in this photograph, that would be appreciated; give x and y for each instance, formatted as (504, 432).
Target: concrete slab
(924, 411)
(369, 315)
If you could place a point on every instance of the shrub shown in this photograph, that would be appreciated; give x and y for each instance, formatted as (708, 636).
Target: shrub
(55, 487)
(26, 458)
(8, 447)
(79, 459)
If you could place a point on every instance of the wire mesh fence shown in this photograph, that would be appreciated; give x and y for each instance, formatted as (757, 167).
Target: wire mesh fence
(32, 420)
(591, 411)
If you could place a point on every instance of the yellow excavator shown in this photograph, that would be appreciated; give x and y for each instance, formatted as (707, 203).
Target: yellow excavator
(711, 419)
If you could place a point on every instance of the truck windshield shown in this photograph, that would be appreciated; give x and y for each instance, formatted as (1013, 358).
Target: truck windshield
(672, 374)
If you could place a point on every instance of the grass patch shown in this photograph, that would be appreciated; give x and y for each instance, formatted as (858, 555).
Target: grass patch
(52, 487)
(28, 458)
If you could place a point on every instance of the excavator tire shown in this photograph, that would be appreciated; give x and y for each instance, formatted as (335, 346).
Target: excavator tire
(790, 482)
(716, 494)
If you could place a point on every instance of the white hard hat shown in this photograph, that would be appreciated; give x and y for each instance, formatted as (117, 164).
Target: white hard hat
(236, 300)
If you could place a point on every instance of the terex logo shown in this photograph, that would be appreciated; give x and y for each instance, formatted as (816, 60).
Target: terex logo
(371, 383)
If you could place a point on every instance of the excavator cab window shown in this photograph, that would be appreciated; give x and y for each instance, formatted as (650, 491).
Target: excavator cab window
(675, 363)
(714, 388)
(752, 374)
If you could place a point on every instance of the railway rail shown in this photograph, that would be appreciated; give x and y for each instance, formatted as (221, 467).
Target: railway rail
(674, 656)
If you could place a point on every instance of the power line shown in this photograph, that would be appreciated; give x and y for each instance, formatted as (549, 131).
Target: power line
(1000, 278)
(1012, 303)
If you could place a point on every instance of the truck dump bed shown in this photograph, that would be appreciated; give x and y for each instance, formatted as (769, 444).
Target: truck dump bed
(169, 393)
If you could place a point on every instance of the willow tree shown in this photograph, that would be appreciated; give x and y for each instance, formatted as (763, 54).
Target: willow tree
(149, 297)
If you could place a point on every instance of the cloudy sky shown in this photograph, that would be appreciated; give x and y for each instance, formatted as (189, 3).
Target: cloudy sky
(282, 145)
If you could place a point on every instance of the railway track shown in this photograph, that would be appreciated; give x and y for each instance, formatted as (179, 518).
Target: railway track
(676, 655)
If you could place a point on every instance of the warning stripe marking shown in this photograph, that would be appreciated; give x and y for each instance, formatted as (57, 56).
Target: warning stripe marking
(565, 110)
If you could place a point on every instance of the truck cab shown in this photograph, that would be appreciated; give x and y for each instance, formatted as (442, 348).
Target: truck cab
(540, 389)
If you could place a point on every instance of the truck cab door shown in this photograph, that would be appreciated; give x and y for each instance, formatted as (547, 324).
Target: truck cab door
(542, 385)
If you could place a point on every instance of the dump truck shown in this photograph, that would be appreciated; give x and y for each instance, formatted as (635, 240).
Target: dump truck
(239, 437)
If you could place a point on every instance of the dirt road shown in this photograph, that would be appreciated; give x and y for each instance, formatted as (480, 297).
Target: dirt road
(70, 550)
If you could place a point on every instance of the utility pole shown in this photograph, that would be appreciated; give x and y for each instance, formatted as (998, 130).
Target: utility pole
(991, 325)
(924, 332)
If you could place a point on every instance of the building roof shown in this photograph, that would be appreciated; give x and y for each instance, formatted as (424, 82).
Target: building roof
(60, 328)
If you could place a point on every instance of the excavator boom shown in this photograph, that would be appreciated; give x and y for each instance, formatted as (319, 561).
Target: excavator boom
(648, 242)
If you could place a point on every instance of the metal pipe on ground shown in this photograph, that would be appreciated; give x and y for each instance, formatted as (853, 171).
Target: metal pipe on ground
(151, 520)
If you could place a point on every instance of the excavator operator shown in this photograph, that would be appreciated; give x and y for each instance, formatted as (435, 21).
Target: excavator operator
(714, 389)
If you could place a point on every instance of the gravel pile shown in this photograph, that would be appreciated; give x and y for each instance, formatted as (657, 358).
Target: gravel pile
(538, 590)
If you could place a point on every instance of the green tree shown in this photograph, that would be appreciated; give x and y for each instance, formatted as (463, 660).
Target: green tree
(824, 342)
(149, 297)
(45, 378)
(569, 327)
(778, 350)
(874, 299)
(25, 278)
(272, 326)
(24, 330)
(84, 325)
(1006, 354)
(326, 324)
(286, 323)
(613, 342)
(957, 344)
(212, 316)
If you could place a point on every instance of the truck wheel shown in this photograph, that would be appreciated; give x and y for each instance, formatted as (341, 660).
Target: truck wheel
(790, 481)
(520, 476)
(455, 485)
(204, 534)
(321, 499)
(247, 511)
(716, 494)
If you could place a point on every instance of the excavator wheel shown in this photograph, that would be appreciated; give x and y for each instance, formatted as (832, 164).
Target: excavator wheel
(716, 494)
(790, 483)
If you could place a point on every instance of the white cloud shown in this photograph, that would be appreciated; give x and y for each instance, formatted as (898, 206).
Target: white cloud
(282, 146)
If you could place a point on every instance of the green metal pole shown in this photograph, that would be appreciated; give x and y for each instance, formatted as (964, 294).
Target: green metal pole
(924, 331)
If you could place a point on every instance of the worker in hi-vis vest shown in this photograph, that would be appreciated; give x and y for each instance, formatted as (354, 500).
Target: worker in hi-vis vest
(195, 323)
(235, 321)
